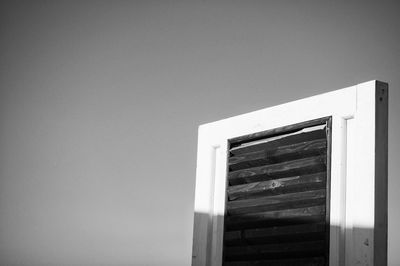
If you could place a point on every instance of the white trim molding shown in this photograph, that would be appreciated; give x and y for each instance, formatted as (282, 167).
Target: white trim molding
(358, 197)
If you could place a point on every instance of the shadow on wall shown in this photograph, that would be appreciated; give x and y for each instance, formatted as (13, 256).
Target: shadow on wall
(280, 238)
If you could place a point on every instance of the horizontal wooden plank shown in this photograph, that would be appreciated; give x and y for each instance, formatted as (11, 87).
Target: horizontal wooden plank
(233, 236)
(264, 223)
(279, 170)
(317, 261)
(284, 230)
(278, 154)
(273, 143)
(276, 234)
(278, 250)
(278, 186)
(277, 202)
(278, 131)
(278, 141)
(271, 218)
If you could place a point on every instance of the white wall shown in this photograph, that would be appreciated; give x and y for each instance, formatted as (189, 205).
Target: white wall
(100, 102)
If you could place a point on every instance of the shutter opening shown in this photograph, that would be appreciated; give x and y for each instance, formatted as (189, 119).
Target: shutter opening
(277, 196)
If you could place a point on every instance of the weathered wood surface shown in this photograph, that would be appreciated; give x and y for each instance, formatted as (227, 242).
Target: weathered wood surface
(277, 202)
(284, 230)
(316, 261)
(279, 250)
(271, 218)
(276, 234)
(277, 142)
(278, 131)
(277, 186)
(273, 171)
(276, 197)
(279, 154)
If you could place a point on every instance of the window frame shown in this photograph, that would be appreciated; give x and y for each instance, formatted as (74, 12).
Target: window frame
(358, 217)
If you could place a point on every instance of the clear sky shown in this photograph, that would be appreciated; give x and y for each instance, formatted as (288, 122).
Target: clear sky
(100, 104)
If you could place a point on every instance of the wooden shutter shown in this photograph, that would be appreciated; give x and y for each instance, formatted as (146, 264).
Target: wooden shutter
(355, 184)
(277, 196)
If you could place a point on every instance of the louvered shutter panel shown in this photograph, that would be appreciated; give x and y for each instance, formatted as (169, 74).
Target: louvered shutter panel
(277, 207)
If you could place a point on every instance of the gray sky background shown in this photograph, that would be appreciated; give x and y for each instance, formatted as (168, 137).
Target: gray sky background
(100, 103)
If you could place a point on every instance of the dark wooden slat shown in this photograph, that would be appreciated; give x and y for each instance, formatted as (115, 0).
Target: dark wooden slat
(260, 223)
(279, 250)
(273, 144)
(318, 261)
(233, 236)
(276, 234)
(284, 230)
(278, 131)
(273, 171)
(277, 202)
(271, 218)
(277, 186)
(279, 154)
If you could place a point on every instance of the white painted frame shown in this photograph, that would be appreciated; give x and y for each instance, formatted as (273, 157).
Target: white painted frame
(358, 203)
